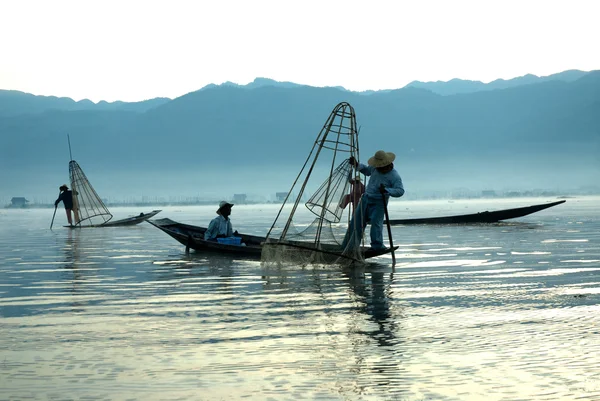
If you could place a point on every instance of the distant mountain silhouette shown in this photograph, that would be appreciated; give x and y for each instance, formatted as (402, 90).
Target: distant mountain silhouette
(238, 139)
(456, 86)
(15, 103)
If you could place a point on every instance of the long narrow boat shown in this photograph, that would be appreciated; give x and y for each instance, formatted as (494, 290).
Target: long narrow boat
(130, 221)
(193, 238)
(481, 217)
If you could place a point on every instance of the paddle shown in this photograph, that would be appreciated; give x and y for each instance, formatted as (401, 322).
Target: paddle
(55, 206)
(387, 219)
(53, 217)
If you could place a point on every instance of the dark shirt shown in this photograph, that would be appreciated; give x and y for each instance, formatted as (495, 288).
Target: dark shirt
(67, 199)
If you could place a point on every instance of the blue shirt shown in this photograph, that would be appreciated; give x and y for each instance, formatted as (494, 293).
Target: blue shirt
(218, 225)
(391, 180)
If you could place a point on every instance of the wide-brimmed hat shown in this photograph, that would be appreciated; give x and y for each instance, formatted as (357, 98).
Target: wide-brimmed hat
(64, 186)
(223, 204)
(381, 159)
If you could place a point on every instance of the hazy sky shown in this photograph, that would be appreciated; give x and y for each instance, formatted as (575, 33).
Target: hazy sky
(134, 50)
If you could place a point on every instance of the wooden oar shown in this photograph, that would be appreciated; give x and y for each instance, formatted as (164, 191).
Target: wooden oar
(53, 217)
(55, 206)
(387, 219)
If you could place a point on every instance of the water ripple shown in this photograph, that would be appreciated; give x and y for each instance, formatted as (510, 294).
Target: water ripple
(498, 312)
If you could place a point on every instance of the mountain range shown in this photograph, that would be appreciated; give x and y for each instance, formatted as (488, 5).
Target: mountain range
(14, 102)
(455, 86)
(529, 132)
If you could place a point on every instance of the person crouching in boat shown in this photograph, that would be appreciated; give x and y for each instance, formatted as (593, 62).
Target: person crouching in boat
(384, 182)
(66, 197)
(220, 226)
(357, 189)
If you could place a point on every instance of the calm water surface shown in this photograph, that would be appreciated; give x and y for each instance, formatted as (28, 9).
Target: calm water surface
(505, 311)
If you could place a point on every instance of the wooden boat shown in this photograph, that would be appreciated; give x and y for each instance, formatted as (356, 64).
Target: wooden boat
(193, 238)
(481, 217)
(130, 221)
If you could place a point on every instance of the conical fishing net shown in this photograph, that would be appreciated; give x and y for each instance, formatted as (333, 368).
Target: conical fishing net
(298, 236)
(88, 208)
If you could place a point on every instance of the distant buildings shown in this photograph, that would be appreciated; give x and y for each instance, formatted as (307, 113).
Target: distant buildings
(18, 202)
(280, 196)
(239, 198)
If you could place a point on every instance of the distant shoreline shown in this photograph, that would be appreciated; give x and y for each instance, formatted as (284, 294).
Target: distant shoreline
(212, 203)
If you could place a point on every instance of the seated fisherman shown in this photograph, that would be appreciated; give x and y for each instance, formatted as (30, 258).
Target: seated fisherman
(220, 226)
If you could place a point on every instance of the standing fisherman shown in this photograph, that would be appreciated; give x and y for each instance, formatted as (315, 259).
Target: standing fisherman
(384, 182)
(66, 196)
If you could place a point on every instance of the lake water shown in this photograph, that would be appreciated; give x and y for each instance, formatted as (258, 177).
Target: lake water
(507, 311)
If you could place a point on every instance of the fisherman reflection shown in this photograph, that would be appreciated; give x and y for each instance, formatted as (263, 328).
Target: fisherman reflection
(375, 299)
(72, 261)
(71, 249)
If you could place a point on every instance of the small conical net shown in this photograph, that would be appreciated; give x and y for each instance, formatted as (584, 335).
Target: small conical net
(315, 234)
(88, 208)
(326, 202)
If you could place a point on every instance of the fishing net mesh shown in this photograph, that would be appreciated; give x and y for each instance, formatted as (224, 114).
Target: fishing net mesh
(88, 208)
(302, 239)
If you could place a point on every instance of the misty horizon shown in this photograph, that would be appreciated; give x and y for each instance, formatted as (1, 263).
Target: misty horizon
(419, 180)
(226, 140)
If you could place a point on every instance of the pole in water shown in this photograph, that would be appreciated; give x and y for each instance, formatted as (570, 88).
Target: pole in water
(55, 206)
(188, 245)
(387, 219)
(53, 217)
(70, 154)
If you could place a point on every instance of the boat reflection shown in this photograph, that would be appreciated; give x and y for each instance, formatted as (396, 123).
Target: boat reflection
(196, 265)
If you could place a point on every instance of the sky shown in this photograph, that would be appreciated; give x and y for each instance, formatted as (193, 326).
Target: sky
(134, 50)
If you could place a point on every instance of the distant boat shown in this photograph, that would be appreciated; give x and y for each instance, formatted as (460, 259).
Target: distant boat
(88, 208)
(131, 221)
(481, 217)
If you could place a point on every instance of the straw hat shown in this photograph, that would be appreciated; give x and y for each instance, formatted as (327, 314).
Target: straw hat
(381, 159)
(223, 204)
